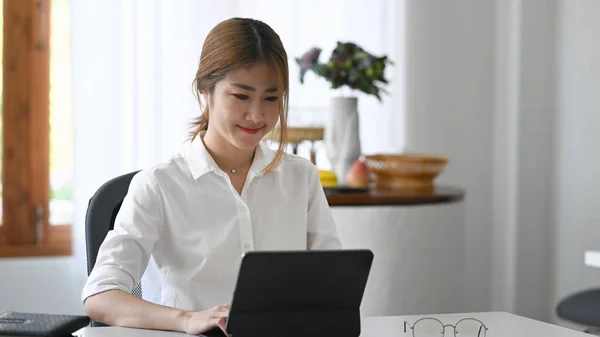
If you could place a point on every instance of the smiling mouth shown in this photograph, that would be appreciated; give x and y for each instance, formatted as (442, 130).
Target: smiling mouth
(251, 131)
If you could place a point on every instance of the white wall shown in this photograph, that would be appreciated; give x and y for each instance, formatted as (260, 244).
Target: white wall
(450, 87)
(523, 157)
(578, 135)
(536, 150)
(482, 87)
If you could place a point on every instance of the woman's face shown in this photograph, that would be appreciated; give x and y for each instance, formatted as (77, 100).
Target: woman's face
(244, 106)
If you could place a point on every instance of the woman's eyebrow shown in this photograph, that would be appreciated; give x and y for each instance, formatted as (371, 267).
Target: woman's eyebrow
(251, 88)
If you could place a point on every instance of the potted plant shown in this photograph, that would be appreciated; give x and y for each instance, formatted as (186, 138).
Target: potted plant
(349, 66)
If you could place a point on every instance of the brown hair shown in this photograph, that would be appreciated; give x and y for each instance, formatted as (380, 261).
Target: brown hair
(233, 44)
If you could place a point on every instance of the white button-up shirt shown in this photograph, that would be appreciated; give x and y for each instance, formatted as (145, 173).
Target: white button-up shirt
(182, 228)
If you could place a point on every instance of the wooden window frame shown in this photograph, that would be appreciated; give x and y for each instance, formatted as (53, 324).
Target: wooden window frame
(25, 229)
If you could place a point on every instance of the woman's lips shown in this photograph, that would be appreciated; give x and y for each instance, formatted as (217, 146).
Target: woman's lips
(250, 131)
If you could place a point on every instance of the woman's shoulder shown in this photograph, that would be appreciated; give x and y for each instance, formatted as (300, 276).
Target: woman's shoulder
(296, 164)
(162, 174)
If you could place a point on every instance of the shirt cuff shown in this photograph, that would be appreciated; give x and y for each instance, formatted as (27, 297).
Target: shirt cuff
(107, 278)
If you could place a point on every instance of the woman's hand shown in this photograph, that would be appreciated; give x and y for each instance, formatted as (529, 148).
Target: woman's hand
(196, 323)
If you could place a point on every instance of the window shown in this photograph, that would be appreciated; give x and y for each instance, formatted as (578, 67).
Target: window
(36, 128)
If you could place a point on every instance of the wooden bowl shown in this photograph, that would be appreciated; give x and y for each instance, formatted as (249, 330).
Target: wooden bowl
(405, 170)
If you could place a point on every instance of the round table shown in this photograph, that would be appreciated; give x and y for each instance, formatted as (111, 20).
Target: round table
(418, 241)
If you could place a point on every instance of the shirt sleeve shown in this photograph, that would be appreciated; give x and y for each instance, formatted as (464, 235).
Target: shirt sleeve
(126, 250)
(322, 231)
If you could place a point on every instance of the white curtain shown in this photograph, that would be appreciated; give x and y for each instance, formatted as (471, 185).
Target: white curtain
(134, 62)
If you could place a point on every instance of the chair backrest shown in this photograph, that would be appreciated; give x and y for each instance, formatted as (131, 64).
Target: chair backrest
(100, 217)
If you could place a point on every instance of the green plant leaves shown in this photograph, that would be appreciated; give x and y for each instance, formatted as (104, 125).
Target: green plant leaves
(349, 65)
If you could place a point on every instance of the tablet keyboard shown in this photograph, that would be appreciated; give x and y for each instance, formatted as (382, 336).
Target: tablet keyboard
(35, 324)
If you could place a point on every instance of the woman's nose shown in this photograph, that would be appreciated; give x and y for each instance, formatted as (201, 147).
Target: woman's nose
(255, 111)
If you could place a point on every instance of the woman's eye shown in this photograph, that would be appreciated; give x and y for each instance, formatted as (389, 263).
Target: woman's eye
(241, 97)
(272, 98)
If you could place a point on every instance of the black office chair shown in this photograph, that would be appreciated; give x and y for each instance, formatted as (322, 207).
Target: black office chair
(100, 218)
(582, 308)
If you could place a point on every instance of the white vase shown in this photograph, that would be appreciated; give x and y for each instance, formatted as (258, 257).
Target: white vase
(341, 138)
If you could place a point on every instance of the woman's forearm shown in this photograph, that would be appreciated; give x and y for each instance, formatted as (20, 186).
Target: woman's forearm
(118, 308)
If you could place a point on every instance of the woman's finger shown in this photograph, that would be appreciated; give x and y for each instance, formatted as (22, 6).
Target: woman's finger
(222, 324)
(220, 314)
(215, 322)
(220, 308)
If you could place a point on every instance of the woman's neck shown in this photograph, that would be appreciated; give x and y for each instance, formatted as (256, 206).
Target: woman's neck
(226, 155)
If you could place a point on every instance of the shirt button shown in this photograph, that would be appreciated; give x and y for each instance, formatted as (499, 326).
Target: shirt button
(247, 245)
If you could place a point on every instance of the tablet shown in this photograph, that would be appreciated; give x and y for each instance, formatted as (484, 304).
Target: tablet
(287, 293)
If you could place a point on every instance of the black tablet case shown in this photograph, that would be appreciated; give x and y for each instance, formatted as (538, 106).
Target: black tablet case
(300, 294)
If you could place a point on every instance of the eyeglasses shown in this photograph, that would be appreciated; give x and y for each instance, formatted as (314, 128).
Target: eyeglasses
(433, 327)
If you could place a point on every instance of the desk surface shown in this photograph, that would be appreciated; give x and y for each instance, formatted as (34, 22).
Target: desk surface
(592, 258)
(499, 324)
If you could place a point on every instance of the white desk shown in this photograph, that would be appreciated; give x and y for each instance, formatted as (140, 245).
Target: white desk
(592, 258)
(499, 324)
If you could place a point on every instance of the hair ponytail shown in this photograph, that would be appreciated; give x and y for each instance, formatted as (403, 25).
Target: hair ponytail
(199, 124)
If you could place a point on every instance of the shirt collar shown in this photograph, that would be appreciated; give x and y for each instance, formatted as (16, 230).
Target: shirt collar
(201, 162)
(262, 158)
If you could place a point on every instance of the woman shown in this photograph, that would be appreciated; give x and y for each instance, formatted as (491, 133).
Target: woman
(185, 224)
